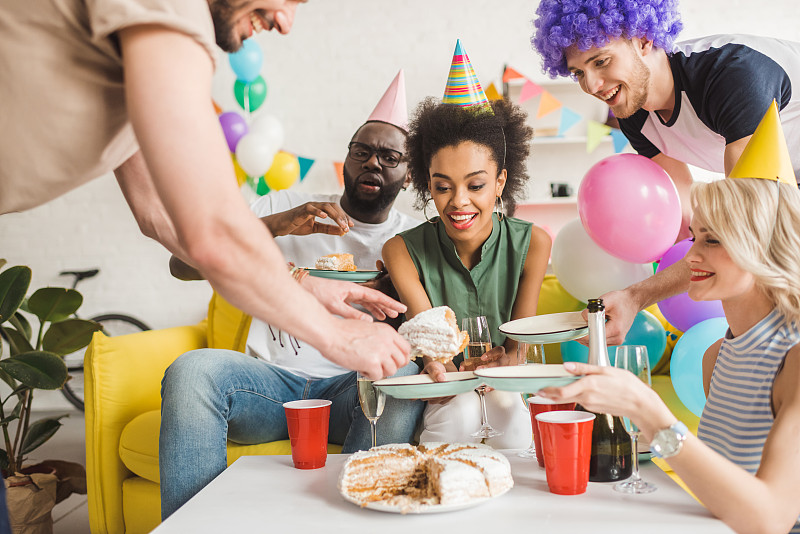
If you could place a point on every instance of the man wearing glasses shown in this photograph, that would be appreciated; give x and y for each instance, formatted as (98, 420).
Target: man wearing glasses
(277, 368)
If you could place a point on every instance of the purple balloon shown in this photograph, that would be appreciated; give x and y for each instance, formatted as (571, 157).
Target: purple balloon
(679, 310)
(234, 127)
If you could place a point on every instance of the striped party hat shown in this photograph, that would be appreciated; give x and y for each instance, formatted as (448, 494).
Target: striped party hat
(463, 87)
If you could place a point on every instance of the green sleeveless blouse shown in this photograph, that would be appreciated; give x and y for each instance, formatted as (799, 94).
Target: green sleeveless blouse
(490, 288)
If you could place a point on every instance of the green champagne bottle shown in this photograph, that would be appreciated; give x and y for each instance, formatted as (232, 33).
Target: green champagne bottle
(611, 444)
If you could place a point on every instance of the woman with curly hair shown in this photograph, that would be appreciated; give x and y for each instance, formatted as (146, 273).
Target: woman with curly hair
(470, 163)
(694, 102)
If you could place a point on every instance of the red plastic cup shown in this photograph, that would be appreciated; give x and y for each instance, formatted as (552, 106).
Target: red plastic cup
(308, 431)
(567, 444)
(537, 405)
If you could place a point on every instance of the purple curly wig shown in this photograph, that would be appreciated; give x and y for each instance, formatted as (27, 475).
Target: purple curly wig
(592, 23)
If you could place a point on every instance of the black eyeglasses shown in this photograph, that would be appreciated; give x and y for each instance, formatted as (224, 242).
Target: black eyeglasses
(386, 156)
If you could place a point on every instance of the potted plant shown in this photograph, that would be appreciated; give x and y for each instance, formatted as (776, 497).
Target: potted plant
(34, 360)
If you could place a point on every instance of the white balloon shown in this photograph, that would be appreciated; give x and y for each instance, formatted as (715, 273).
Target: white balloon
(268, 127)
(255, 154)
(587, 271)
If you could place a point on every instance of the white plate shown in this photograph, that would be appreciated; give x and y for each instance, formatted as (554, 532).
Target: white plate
(526, 378)
(347, 276)
(423, 387)
(549, 328)
(419, 509)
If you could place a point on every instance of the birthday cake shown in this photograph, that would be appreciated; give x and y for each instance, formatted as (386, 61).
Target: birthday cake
(336, 262)
(410, 477)
(434, 333)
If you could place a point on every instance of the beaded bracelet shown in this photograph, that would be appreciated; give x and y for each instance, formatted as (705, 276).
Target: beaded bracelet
(298, 273)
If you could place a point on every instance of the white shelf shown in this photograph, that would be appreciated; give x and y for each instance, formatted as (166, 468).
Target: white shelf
(549, 201)
(566, 140)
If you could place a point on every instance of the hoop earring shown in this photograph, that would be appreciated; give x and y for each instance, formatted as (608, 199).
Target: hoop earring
(425, 213)
(501, 210)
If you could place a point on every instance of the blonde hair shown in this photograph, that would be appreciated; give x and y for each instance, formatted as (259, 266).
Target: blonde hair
(758, 223)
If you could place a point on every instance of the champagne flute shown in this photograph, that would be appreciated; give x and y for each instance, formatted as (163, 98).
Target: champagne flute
(529, 354)
(372, 400)
(480, 341)
(634, 359)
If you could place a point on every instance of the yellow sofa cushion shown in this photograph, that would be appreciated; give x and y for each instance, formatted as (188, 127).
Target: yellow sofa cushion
(228, 326)
(138, 446)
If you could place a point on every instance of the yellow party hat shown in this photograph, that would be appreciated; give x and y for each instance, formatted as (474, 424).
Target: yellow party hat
(766, 155)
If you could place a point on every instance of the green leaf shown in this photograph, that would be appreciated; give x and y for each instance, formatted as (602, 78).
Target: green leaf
(54, 303)
(17, 341)
(37, 369)
(20, 322)
(3, 459)
(66, 337)
(5, 377)
(13, 415)
(14, 284)
(39, 432)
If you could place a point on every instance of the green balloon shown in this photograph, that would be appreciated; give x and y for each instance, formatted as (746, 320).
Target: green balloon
(256, 92)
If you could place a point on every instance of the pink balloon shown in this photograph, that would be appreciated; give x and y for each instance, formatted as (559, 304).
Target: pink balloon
(630, 207)
(679, 310)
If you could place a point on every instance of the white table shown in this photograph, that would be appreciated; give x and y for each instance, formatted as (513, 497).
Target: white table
(267, 494)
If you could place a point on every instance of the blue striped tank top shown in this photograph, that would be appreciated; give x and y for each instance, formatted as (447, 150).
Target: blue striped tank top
(738, 413)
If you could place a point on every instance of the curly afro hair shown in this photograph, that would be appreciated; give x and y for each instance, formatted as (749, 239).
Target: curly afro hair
(505, 133)
(592, 23)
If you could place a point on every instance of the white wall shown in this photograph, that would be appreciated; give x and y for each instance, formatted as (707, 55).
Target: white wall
(324, 78)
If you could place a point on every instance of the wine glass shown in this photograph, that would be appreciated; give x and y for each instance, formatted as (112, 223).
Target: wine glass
(527, 354)
(480, 341)
(372, 400)
(634, 359)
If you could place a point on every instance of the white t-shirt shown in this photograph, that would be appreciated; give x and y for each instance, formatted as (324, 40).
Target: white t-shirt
(364, 241)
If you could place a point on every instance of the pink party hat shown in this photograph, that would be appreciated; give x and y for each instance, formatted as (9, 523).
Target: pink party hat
(392, 106)
(463, 87)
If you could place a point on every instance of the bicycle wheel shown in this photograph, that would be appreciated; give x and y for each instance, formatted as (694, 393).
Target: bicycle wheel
(114, 324)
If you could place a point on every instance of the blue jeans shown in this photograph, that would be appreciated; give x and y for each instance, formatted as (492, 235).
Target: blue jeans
(211, 395)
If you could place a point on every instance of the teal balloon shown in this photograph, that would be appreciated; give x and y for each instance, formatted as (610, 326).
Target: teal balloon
(246, 62)
(256, 93)
(686, 364)
(646, 330)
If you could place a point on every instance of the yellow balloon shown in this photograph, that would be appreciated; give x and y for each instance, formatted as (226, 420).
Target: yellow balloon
(284, 172)
(241, 176)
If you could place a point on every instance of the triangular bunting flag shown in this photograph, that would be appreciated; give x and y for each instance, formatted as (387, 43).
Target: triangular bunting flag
(492, 93)
(547, 104)
(305, 166)
(568, 119)
(595, 131)
(338, 166)
(619, 139)
(511, 74)
(529, 90)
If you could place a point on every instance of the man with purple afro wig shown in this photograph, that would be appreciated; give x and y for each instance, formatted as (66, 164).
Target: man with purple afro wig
(694, 102)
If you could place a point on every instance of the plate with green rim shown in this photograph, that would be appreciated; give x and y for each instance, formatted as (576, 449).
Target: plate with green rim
(347, 276)
(548, 328)
(423, 387)
(526, 378)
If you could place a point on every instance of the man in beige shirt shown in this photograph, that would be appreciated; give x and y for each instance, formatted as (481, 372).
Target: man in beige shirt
(89, 87)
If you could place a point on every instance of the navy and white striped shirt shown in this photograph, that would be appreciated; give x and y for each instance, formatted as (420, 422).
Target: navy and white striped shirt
(738, 413)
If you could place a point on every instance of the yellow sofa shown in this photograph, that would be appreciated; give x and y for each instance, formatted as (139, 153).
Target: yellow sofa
(123, 398)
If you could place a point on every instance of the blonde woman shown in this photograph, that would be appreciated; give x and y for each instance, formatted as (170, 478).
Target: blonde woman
(744, 464)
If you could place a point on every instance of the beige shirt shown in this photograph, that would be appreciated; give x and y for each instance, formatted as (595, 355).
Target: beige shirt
(63, 119)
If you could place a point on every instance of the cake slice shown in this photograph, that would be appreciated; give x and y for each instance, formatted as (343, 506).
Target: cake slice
(434, 333)
(336, 262)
